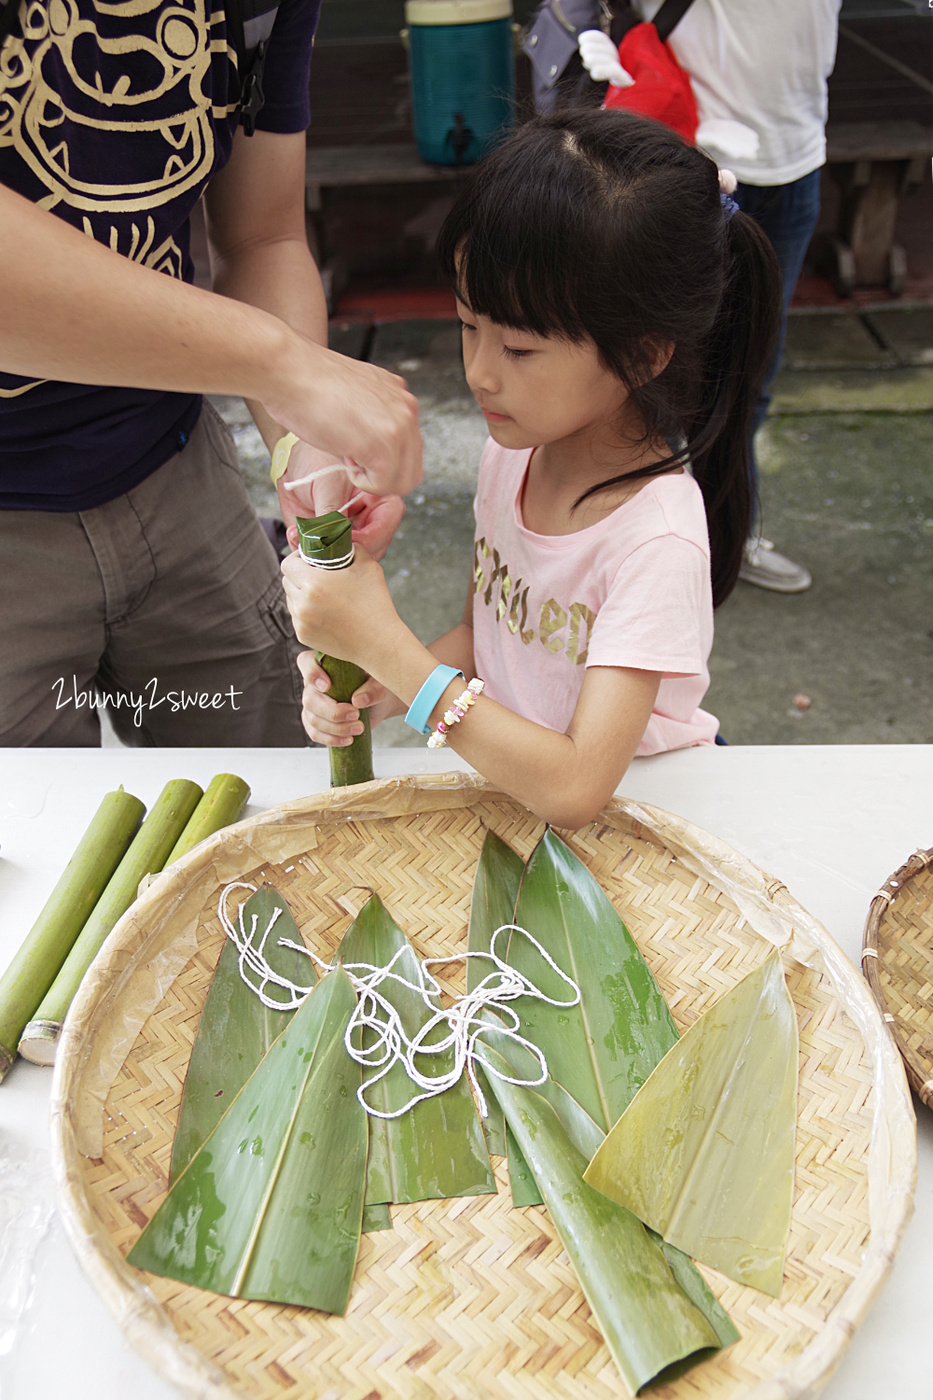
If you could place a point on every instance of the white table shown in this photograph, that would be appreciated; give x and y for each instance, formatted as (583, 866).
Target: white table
(831, 822)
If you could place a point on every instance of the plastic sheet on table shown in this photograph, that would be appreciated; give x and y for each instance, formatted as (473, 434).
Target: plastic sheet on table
(26, 1211)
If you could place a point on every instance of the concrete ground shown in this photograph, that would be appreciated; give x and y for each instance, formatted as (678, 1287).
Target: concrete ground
(846, 463)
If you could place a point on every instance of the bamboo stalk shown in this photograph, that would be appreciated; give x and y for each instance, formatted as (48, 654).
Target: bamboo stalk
(222, 804)
(37, 963)
(155, 839)
(327, 539)
(354, 763)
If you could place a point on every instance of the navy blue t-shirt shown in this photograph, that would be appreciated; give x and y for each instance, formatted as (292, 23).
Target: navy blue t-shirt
(115, 117)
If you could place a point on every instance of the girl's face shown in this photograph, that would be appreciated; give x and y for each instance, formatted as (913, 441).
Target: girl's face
(534, 390)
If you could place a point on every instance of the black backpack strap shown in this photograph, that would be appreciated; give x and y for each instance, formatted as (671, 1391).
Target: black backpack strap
(625, 17)
(249, 24)
(669, 15)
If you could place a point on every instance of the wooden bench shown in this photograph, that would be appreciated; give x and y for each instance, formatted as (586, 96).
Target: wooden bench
(873, 163)
(347, 167)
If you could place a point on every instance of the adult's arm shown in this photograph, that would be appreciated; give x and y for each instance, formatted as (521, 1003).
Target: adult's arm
(74, 310)
(259, 250)
(260, 255)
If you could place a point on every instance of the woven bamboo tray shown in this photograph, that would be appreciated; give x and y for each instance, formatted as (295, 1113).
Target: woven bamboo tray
(471, 1298)
(897, 959)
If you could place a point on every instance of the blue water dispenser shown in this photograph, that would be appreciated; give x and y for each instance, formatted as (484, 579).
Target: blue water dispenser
(462, 76)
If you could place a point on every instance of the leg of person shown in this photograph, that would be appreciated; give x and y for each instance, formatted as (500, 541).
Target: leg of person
(788, 215)
(52, 631)
(208, 648)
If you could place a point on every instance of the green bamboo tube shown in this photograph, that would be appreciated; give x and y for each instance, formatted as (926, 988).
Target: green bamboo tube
(353, 764)
(222, 804)
(38, 961)
(155, 839)
(326, 539)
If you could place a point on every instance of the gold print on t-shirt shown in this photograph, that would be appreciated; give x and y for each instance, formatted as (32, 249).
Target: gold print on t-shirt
(512, 600)
(165, 257)
(135, 69)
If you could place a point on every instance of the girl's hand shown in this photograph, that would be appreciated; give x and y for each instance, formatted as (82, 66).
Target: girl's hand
(347, 613)
(333, 724)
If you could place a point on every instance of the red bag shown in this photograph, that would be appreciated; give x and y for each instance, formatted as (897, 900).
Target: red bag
(661, 89)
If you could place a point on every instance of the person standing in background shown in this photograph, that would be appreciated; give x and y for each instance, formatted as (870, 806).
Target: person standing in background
(767, 67)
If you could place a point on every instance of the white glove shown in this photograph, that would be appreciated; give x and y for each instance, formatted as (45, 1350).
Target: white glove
(601, 59)
(719, 136)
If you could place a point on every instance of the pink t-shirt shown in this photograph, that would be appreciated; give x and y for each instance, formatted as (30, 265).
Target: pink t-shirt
(632, 590)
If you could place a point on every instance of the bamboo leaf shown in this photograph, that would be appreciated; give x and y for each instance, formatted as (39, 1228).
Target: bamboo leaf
(602, 1050)
(495, 890)
(647, 1320)
(437, 1149)
(236, 1029)
(260, 1211)
(376, 1218)
(704, 1154)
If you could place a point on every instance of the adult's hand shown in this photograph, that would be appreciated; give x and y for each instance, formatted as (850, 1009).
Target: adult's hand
(375, 518)
(354, 411)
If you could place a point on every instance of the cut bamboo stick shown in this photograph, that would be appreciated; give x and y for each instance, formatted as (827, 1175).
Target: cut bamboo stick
(326, 539)
(353, 764)
(37, 963)
(155, 839)
(222, 804)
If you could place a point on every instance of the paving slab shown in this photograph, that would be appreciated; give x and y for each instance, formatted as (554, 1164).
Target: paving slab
(904, 390)
(828, 339)
(851, 497)
(908, 331)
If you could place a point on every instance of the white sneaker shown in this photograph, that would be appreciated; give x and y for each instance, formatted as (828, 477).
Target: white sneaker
(764, 567)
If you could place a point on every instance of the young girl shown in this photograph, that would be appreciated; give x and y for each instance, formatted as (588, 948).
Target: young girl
(618, 314)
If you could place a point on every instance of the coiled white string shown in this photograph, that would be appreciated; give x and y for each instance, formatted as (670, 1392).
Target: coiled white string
(342, 561)
(467, 1019)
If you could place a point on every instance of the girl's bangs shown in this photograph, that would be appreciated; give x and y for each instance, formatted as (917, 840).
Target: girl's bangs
(509, 257)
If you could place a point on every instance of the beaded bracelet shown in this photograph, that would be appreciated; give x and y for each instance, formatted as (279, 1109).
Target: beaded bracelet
(456, 712)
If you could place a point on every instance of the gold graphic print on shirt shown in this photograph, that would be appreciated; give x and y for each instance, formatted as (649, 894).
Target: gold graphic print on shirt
(139, 84)
(506, 595)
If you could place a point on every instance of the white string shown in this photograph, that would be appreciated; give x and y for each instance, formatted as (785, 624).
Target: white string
(467, 1019)
(315, 476)
(342, 561)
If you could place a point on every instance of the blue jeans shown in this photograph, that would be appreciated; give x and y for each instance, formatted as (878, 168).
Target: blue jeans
(788, 215)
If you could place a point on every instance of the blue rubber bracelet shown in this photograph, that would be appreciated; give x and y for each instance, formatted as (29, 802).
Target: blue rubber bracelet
(428, 696)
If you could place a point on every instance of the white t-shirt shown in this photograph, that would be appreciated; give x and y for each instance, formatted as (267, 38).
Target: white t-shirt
(632, 590)
(764, 63)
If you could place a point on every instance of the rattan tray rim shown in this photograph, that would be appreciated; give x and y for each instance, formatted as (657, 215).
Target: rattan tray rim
(919, 1069)
(757, 894)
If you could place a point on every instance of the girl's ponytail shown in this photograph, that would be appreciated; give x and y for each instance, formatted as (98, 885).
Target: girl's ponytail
(736, 359)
